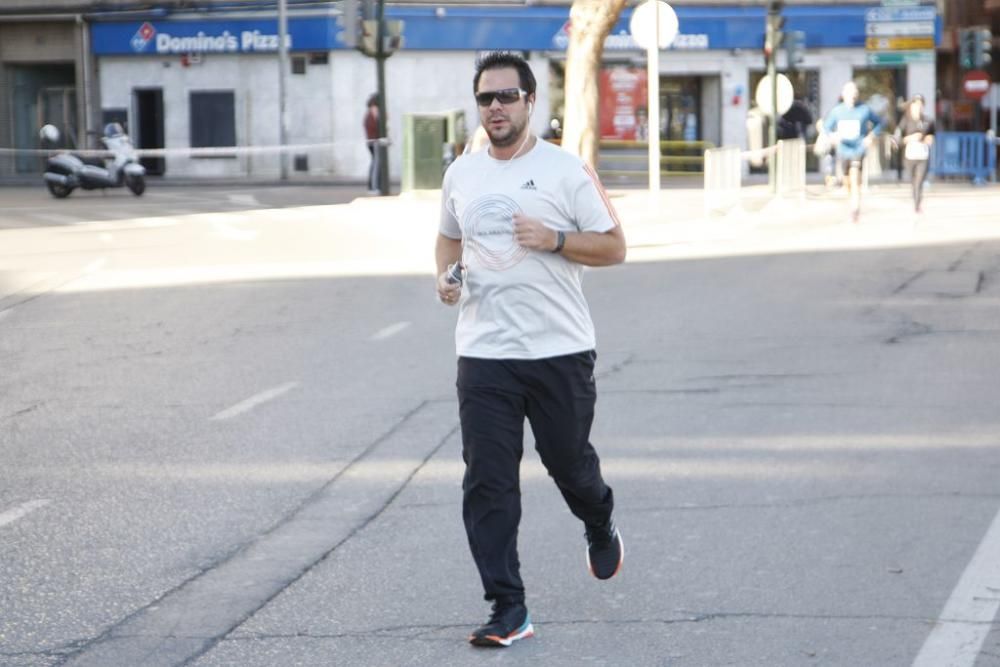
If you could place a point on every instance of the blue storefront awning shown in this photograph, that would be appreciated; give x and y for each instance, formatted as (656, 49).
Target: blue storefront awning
(479, 29)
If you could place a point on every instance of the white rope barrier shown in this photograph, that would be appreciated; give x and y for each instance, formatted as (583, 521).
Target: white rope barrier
(212, 151)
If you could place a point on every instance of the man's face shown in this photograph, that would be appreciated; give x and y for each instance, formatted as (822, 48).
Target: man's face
(850, 94)
(504, 123)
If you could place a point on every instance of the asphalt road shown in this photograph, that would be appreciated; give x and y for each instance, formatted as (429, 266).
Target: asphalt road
(228, 436)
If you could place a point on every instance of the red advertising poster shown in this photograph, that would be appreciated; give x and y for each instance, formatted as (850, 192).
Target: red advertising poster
(623, 103)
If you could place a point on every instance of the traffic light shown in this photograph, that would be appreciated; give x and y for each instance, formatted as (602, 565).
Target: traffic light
(982, 47)
(775, 26)
(393, 39)
(352, 15)
(367, 37)
(795, 48)
(966, 49)
(348, 21)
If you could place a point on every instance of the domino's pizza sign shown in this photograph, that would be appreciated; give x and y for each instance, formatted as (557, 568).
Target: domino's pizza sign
(143, 36)
(182, 37)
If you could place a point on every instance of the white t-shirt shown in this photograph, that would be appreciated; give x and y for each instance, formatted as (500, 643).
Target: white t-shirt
(519, 303)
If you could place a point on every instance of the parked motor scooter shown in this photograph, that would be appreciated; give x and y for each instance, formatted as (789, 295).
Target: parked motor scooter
(65, 171)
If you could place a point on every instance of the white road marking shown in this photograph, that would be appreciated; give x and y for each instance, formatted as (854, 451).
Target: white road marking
(244, 200)
(106, 237)
(390, 330)
(968, 615)
(254, 401)
(21, 511)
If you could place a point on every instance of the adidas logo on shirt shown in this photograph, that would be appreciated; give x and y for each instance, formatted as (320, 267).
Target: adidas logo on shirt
(529, 185)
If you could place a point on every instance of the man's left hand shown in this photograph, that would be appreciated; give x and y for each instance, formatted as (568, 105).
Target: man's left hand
(531, 233)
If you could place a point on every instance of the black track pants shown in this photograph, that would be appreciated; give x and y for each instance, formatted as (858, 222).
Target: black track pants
(918, 174)
(557, 395)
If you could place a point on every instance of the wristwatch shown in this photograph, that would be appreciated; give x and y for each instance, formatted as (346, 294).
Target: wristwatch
(560, 242)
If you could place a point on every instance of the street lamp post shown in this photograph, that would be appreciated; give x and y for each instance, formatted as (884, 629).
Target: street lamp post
(771, 49)
(653, 104)
(282, 73)
(653, 26)
(380, 55)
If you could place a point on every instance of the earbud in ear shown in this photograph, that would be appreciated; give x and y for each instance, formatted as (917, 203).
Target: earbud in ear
(531, 108)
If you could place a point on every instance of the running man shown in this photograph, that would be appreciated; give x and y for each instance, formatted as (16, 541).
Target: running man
(854, 127)
(520, 220)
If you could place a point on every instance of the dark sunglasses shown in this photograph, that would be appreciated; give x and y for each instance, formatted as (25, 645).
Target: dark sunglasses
(505, 96)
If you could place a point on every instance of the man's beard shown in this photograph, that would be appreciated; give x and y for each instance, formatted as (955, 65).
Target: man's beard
(508, 138)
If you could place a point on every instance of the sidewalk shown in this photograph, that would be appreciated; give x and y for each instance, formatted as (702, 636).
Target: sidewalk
(677, 223)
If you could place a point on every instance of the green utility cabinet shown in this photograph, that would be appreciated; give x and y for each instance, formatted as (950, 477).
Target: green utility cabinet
(431, 141)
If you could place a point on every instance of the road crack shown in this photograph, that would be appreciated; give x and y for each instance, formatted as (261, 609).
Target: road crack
(167, 609)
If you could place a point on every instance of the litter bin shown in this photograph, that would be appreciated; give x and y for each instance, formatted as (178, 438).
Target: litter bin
(431, 141)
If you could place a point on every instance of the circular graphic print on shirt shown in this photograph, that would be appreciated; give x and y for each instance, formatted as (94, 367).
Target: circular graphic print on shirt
(488, 230)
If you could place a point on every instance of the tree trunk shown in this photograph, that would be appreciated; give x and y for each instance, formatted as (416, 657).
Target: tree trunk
(590, 23)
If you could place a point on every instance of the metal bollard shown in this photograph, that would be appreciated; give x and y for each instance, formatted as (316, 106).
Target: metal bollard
(791, 172)
(723, 176)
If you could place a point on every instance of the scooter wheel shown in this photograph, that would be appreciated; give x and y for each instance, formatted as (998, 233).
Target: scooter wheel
(59, 191)
(137, 185)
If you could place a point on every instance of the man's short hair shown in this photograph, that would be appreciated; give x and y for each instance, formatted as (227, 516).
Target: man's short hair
(504, 60)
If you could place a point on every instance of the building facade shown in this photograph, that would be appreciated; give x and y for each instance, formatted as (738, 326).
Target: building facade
(184, 80)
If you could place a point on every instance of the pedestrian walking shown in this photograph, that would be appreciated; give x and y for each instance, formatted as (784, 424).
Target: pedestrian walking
(854, 127)
(372, 141)
(795, 123)
(519, 221)
(916, 134)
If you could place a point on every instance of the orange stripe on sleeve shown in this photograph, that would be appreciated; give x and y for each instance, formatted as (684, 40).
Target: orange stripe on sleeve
(604, 195)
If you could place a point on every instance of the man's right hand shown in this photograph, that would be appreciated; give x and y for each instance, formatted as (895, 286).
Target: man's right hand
(448, 293)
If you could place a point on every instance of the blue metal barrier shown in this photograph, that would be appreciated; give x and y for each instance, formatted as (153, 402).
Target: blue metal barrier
(968, 154)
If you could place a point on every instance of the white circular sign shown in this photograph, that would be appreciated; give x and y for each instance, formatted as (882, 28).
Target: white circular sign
(642, 25)
(786, 95)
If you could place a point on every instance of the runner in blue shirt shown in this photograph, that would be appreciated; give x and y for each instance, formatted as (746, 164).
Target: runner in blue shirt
(853, 126)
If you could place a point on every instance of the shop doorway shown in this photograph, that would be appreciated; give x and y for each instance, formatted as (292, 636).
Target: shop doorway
(42, 94)
(680, 108)
(883, 89)
(682, 129)
(148, 107)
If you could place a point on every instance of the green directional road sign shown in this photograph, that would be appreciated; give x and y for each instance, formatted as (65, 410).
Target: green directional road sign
(899, 57)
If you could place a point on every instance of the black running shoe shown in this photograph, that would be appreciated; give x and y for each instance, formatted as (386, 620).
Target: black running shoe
(507, 624)
(605, 550)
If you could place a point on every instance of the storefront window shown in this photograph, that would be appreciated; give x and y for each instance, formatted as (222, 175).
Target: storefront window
(213, 119)
(882, 90)
(623, 103)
